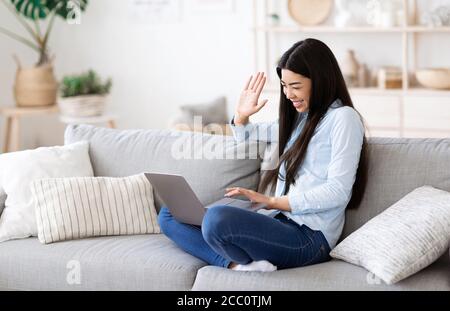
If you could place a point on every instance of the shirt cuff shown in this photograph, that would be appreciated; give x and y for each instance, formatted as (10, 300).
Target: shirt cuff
(241, 132)
(299, 204)
(294, 203)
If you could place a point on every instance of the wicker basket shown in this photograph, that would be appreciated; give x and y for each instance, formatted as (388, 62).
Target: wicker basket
(82, 106)
(35, 86)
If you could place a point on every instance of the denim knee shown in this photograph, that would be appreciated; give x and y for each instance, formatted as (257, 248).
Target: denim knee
(215, 220)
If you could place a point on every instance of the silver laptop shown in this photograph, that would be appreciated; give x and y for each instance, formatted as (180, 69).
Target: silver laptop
(182, 202)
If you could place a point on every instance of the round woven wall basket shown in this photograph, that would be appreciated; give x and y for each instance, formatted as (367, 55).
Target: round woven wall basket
(310, 12)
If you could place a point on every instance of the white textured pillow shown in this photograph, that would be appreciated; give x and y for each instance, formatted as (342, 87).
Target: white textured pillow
(81, 207)
(19, 169)
(402, 240)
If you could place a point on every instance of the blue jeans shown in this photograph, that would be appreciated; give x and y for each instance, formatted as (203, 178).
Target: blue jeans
(229, 234)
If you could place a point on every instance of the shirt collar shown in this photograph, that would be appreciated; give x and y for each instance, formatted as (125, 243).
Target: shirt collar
(337, 103)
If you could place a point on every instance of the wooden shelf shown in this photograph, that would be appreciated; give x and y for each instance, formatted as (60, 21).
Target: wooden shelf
(427, 29)
(400, 92)
(20, 111)
(362, 29)
(13, 116)
(416, 91)
(357, 90)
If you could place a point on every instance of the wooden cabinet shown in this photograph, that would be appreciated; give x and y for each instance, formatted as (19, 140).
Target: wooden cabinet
(427, 116)
(405, 115)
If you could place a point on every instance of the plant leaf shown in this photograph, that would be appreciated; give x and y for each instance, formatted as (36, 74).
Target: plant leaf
(32, 9)
(65, 8)
(87, 83)
(40, 9)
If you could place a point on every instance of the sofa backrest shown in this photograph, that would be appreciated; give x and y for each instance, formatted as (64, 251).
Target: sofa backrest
(396, 167)
(223, 162)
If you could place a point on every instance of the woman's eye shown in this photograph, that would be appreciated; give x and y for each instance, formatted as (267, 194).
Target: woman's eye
(294, 88)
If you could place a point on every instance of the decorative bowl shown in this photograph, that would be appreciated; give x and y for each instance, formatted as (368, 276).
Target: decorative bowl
(435, 78)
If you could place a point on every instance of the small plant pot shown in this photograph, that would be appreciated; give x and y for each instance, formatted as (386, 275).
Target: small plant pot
(35, 86)
(82, 106)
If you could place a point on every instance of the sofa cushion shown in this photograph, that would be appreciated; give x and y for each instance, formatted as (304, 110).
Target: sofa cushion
(402, 240)
(140, 262)
(333, 275)
(199, 158)
(397, 166)
(81, 207)
(18, 169)
(212, 112)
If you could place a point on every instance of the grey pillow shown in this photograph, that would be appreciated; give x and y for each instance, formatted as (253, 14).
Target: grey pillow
(119, 153)
(212, 112)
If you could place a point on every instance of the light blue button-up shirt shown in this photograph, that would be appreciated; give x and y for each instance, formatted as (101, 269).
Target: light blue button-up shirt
(324, 182)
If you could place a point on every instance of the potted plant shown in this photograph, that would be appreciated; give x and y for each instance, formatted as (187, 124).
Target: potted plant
(37, 86)
(83, 95)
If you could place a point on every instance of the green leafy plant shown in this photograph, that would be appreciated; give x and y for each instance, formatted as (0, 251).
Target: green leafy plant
(88, 83)
(33, 14)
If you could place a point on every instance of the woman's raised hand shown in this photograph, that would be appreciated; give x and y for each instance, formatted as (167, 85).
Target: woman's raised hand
(249, 102)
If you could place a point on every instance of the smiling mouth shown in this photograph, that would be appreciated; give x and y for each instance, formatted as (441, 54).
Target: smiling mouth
(298, 103)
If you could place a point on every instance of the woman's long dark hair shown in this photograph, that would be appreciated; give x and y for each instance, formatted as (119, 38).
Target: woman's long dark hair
(313, 59)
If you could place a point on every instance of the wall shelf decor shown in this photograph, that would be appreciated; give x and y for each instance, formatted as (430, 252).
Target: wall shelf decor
(388, 112)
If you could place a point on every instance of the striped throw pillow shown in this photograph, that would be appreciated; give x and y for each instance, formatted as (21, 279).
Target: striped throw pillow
(81, 207)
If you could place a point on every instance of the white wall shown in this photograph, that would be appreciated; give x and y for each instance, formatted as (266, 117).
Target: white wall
(154, 67)
(157, 67)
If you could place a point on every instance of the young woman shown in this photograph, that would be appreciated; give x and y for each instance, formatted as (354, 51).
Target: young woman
(321, 170)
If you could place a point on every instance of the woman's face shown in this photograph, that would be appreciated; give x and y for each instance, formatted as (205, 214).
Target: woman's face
(297, 89)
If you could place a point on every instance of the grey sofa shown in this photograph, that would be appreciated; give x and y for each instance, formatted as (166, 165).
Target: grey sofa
(153, 262)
